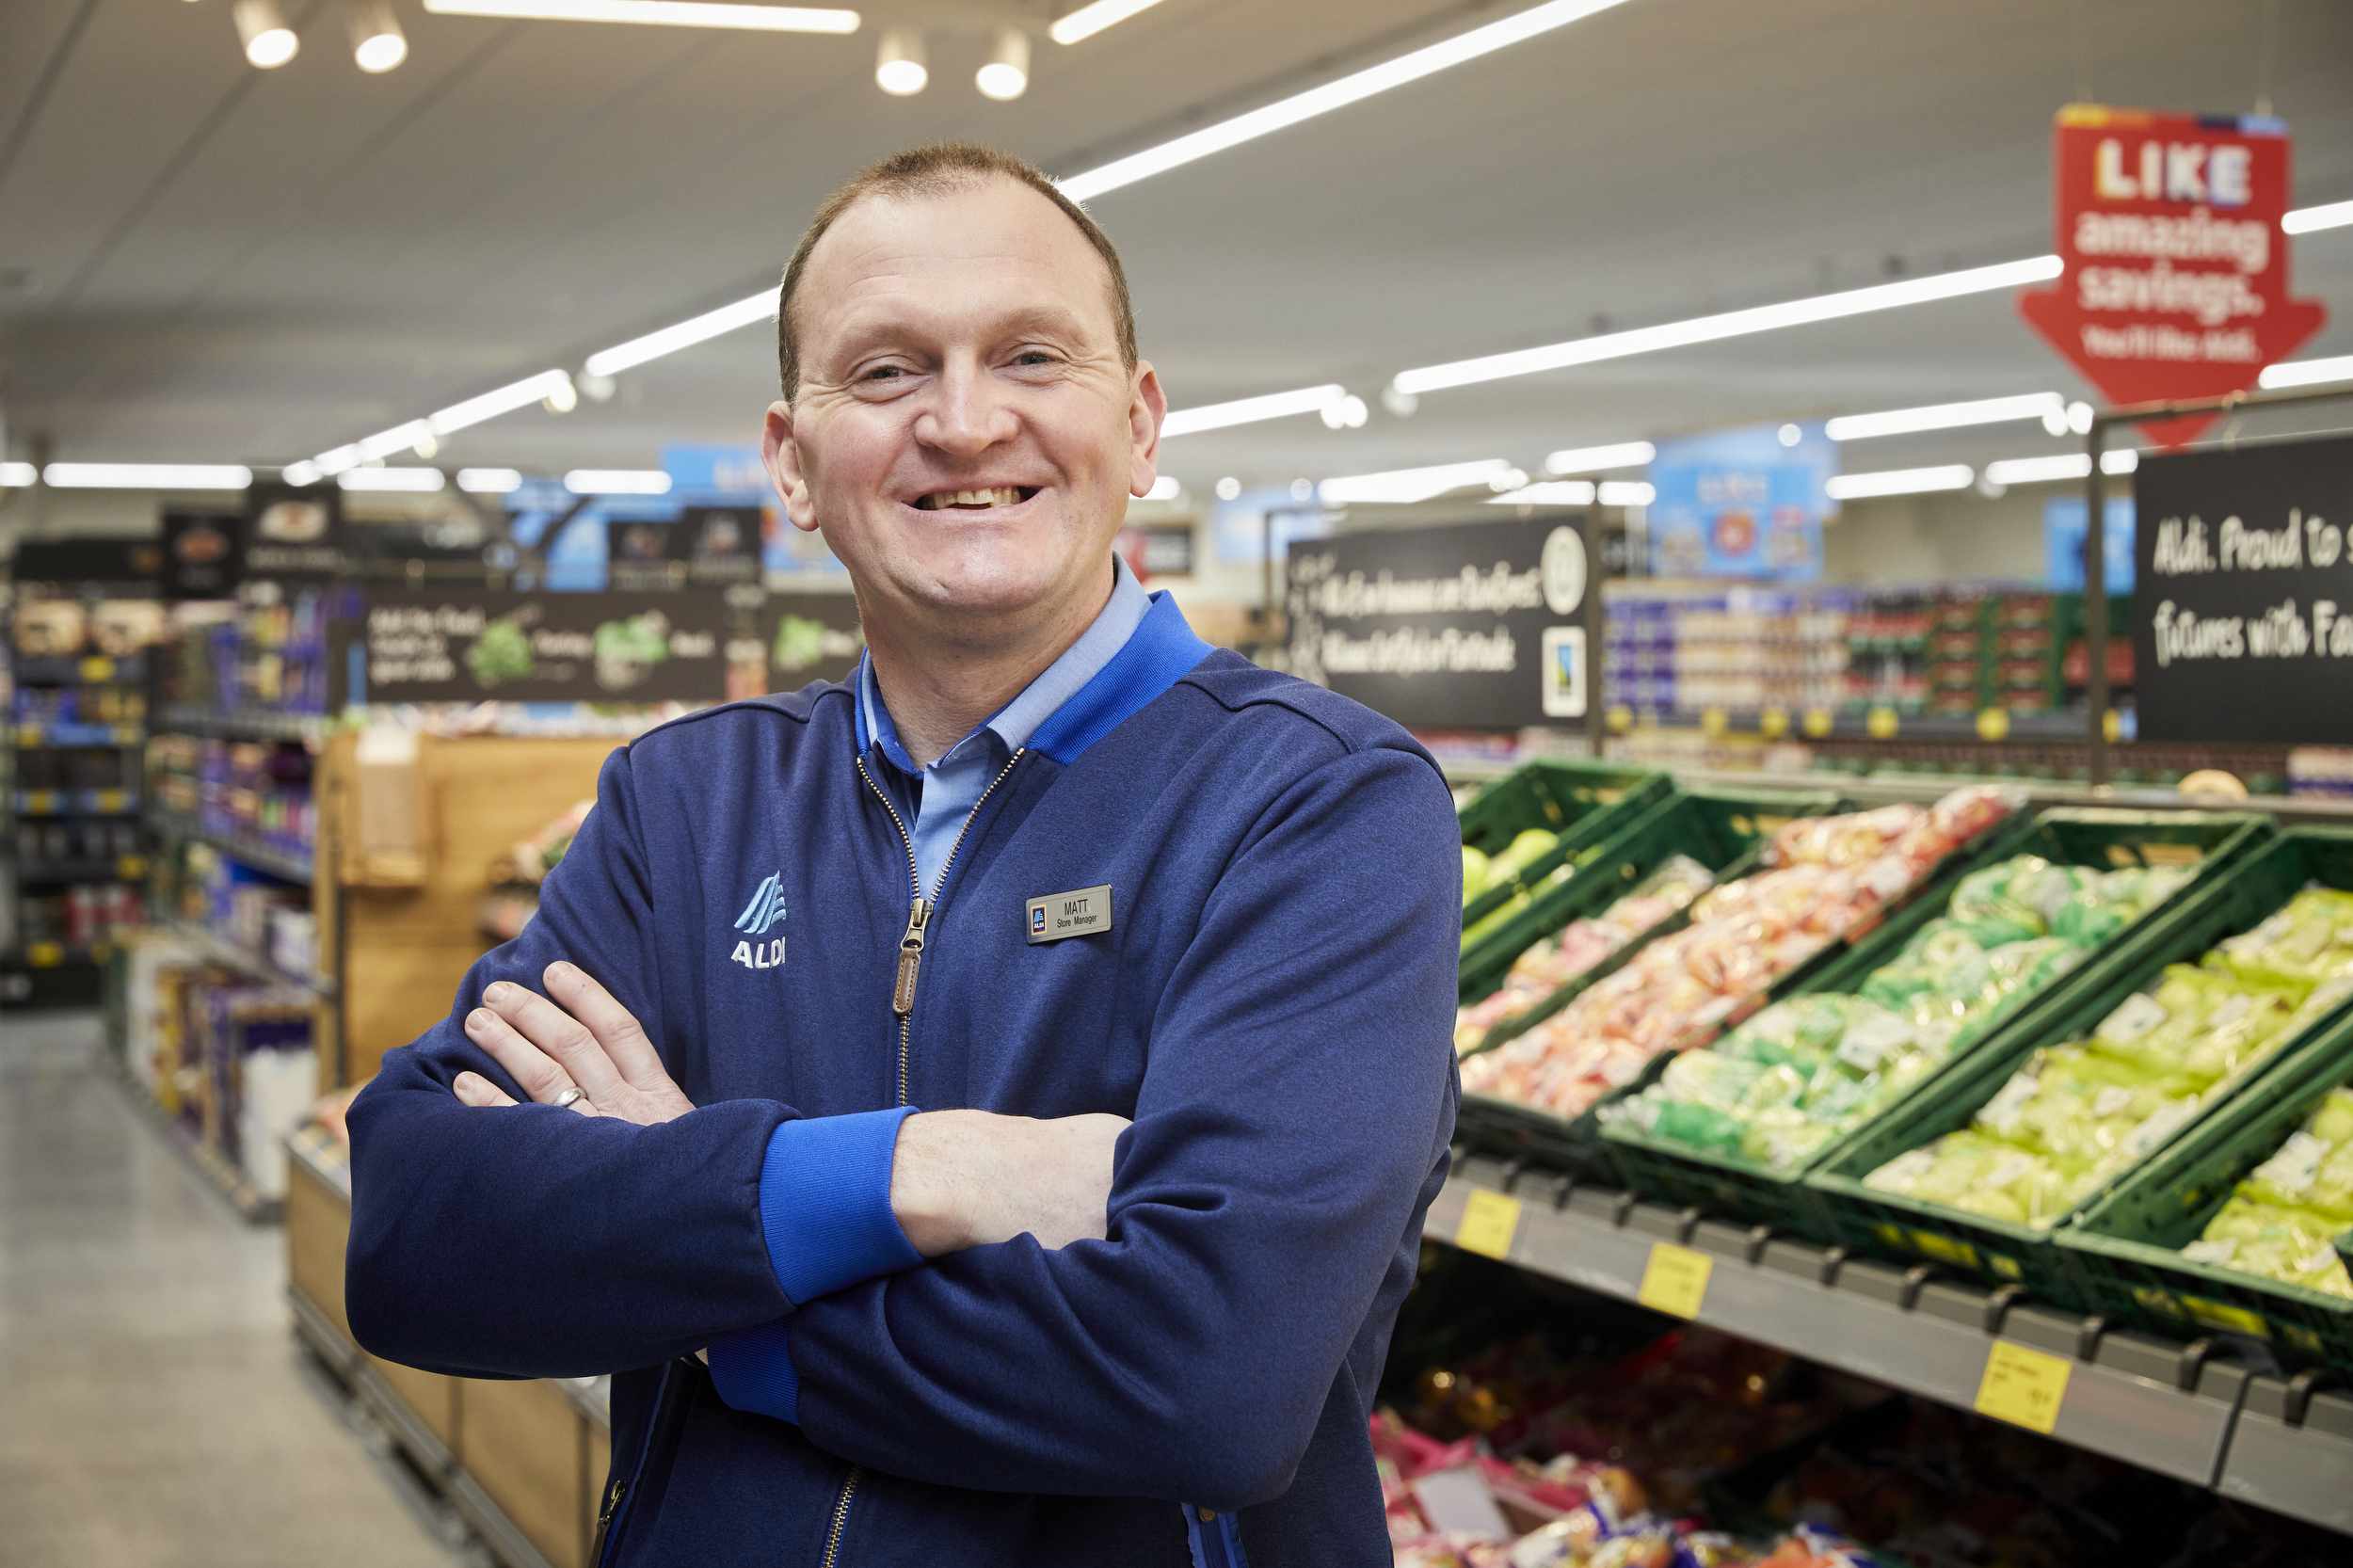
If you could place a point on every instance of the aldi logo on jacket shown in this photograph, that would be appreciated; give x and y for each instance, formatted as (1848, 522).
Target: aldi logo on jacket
(1273, 1006)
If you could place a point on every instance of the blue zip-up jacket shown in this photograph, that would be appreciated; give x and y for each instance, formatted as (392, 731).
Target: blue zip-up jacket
(1271, 1004)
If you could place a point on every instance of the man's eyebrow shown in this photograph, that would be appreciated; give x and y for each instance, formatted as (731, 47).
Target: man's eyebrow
(865, 336)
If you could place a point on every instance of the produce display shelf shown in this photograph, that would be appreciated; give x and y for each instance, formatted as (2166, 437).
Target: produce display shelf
(242, 959)
(1862, 724)
(244, 723)
(1581, 803)
(250, 851)
(2180, 1410)
(220, 1174)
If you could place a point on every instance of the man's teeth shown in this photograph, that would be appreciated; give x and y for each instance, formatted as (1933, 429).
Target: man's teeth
(1003, 495)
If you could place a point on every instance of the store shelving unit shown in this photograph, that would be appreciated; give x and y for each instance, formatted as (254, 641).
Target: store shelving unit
(245, 724)
(218, 1172)
(251, 852)
(223, 952)
(2182, 1410)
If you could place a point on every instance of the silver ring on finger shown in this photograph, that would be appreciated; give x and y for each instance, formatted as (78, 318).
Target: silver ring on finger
(571, 1098)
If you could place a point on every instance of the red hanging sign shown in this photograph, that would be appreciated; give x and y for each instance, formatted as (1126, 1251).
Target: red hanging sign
(2177, 271)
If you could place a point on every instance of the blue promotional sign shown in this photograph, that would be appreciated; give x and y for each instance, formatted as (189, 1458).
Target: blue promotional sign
(1740, 504)
(2063, 543)
(715, 468)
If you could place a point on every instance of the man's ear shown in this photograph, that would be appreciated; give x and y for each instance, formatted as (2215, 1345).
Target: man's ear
(781, 454)
(1148, 408)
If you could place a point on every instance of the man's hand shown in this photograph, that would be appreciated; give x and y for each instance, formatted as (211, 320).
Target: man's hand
(968, 1178)
(590, 1042)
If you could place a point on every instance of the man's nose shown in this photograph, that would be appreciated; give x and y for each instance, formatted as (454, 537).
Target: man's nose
(967, 414)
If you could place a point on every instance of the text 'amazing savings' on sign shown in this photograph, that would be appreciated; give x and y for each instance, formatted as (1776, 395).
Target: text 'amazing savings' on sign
(2176, 280)
(2243, 615)
(1463, 627)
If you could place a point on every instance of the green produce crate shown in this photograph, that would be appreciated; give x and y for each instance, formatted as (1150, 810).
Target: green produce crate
(1723, 830)
(2124, 1250)
(1738, 1188)
(1861, 1217)
(1582, 802)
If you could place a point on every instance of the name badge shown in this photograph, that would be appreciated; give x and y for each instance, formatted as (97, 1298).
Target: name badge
(1084, 912)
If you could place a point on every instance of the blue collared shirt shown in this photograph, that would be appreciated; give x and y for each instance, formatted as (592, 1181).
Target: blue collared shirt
(952, 786)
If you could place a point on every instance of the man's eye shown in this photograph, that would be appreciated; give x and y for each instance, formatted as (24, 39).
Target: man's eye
(882, 373)
(1034, 356)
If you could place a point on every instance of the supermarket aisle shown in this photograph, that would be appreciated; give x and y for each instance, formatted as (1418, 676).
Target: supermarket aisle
(154, 1407)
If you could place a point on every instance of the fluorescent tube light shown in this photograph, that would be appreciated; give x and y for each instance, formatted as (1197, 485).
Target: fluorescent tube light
(1593, 460)
(1249, 410)
(1353, 88)
(1404, 485)
(15, 477)
(617, 481)
(489, 481)
(400, 438)
(147, 476)
(1551, 492)
(1627, 492)
(1900, 481)
(2308, 220)
(489, 404)
(2306, 372)
(657, 13)
(1944, 416)
(1730, 324)
(2059, 466)
(1164, 489)
(304, 473)
(669, 339)
(1087, 21)
(410, 481)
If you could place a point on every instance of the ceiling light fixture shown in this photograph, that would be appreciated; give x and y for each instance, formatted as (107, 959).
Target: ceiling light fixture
(685, 334)
(489, 404)
(1228, 488)
(1353, 88)
(384, 443)
(408, 481)
(1405, 486)
(262, 28)
(657, 13)
(1552, 492)
(1949, 416)
(301, 473)
(562, 397)
(147, 476)
(1900, 481)
(2059, 466)
(1627, 492)
(1087, 21)
(15, 477)
(1005, 76)
(2308, 220)
(617, 481)
(1250, 410)
(378, 45)
(2306, 372)
(899, 67)
(1730, 324)
(489, 481)
(1593, 460)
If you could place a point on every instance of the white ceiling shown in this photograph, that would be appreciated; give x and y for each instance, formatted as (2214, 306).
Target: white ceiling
(203, 261)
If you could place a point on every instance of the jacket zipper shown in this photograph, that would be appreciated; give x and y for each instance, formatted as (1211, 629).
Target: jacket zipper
(919, 912)
(620, 1486)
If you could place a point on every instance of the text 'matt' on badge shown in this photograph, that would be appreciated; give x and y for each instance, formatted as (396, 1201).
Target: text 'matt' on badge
(1084, 912)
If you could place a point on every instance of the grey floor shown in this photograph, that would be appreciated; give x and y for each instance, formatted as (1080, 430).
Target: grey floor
(154, 1407)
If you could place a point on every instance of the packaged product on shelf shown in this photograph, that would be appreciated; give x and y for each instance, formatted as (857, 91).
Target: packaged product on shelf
(2281, 1222)
(1783, 1086)
(1829, 877)
(2077, 1115)
(1582, 945)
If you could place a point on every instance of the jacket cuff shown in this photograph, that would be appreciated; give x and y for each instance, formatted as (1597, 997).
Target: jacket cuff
(752, 1370)
(824, 1202)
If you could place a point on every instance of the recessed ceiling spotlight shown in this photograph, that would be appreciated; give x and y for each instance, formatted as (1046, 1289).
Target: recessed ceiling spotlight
(1789, 435)
(378, 45)
(1228, 488)
(899, 67)
(262, 28)
(1302, 489)
(1006, 75)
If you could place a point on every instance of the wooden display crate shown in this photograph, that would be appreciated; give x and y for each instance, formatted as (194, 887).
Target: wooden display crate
(529, 1448)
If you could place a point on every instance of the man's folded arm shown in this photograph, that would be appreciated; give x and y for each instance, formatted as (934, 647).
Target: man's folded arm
(532, 1241)
(1298, 1101)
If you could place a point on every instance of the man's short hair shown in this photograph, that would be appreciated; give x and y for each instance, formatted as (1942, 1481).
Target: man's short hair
(936, 169)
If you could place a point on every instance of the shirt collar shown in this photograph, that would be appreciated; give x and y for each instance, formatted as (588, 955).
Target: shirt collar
(1014, 723)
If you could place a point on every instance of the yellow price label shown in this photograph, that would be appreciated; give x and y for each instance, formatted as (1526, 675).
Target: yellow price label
(2023, 1387)
(1714, 720)
(2112, 725)
(41, 802)
(28, 734)
(1621, 719)
(126, 734)
(1817, 721)
(109, 800)
(130, 866)
(97, 668)
(1945, 1249)
(1993, 724)
(44, 955)
(2221, 1315)
(1774, 723)
(1881, 723)
(1489, 1220)
(1675, 1281)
